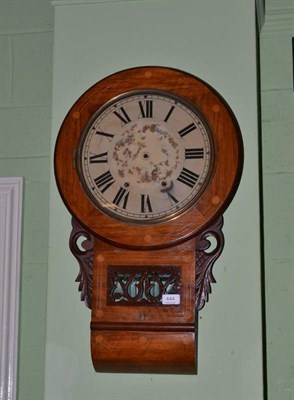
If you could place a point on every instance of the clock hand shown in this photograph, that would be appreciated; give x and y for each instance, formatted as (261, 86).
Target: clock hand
(167, 189)
(168, 192)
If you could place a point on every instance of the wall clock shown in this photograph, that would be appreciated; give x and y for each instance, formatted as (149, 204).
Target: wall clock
(146, 161)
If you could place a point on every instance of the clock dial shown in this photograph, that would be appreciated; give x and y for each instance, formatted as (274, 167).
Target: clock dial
(158, 156)
(145, 157)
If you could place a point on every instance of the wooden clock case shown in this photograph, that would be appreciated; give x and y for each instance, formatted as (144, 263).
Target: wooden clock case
(131, 330)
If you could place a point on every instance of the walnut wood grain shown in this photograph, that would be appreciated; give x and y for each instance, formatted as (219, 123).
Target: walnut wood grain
(217, 194)
(136, 343)
(150, 338)
(154, 337)
(144, 352)
(204, 261)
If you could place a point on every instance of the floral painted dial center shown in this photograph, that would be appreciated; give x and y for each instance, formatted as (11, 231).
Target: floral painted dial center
(145, 153)
(145, 157)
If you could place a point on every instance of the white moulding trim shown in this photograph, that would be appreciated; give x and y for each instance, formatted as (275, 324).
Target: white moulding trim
(11, 195)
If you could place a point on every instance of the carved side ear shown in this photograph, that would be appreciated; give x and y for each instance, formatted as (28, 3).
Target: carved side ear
(209, 246)
(81, 244)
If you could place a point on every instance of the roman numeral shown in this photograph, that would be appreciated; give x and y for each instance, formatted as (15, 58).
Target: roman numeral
(189, 128)
(104, 134)
(169, 113)
(121, 197)
(98, 158)
(146, 108)
(194, 153)
(122, 115)
(145, 203)
(104, 181)
(188, 177)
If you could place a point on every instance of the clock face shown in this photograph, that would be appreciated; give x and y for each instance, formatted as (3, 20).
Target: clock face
(145, 157)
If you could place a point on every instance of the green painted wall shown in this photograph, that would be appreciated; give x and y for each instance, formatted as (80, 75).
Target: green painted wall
(278, 174)
(91, 41)
(25, 117)
(25, 107)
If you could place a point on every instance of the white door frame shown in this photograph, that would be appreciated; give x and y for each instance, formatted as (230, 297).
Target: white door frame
(11, 195)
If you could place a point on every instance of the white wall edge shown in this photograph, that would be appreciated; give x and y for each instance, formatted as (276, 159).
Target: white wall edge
(259, 4)
(11, 198)
(278, 22)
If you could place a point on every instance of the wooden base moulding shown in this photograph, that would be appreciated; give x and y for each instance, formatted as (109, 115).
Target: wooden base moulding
(142, 351)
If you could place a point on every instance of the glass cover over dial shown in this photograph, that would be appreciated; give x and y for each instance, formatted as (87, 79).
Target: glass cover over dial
(145, 157)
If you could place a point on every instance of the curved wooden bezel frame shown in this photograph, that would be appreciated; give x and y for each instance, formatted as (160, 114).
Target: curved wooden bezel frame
(215, 198)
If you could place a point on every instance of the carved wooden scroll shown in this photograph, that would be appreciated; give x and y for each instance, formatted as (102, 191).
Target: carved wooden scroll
(82, 247)
(206, 255)
(141, 285)
(81, 244)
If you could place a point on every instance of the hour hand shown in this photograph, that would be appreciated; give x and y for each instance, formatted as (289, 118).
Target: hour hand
(168, 190)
